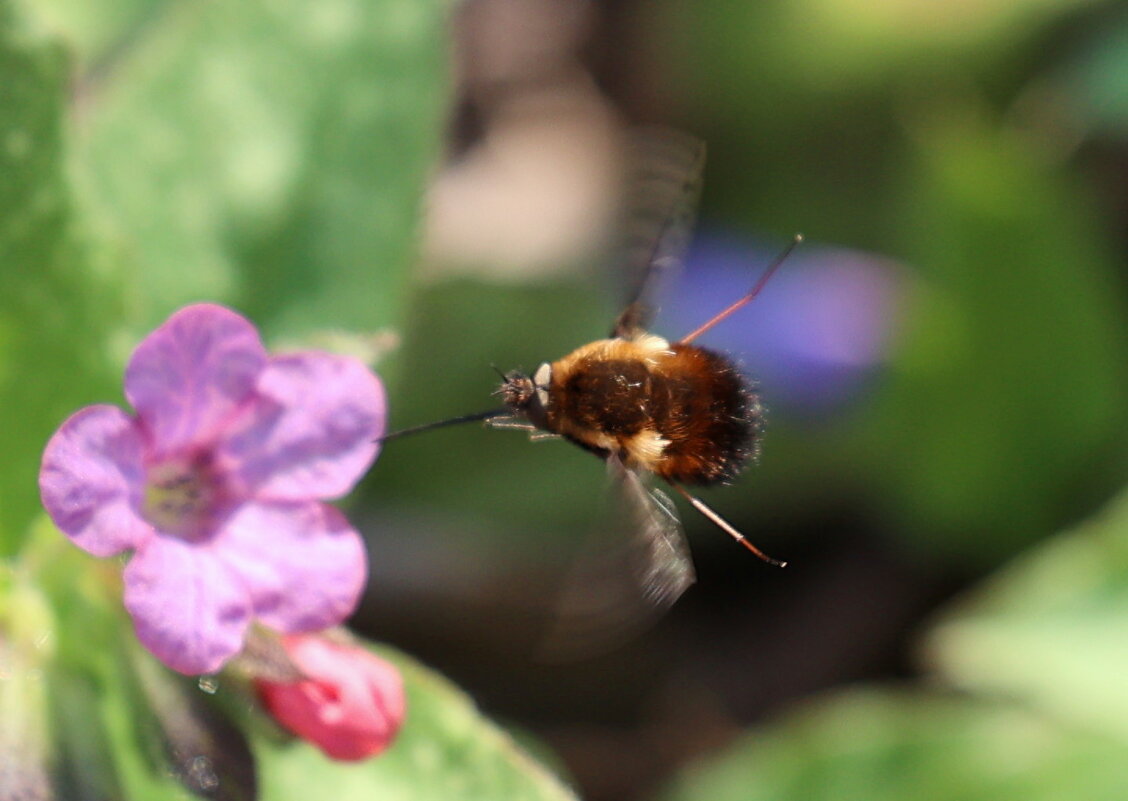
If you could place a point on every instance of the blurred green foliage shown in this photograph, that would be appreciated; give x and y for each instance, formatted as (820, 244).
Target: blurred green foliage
(255, 154)
(266, 155)
(872, 745)
(113, 723)
(446, 750)
(1051, 630)
(58, 299)
(984, 443)
(1028, 698)
(902, 128)
(1003, 414)
(1002, 410)
(272, 155)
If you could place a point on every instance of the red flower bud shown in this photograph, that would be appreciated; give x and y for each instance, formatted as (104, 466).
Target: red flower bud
(350, 705)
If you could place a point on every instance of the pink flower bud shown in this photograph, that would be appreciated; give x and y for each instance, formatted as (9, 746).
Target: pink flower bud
(350, 705)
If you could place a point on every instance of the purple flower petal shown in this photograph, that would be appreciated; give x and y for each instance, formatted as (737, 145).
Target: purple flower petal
(214, 485)
(91, 480)
(188, 377)
(187, 606)
(303, 564)
(312, 430)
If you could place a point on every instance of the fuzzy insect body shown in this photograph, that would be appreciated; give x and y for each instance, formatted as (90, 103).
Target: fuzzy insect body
(677, 410)
(647, 407)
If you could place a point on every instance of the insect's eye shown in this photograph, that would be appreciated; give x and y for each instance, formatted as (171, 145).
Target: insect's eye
(542, 379)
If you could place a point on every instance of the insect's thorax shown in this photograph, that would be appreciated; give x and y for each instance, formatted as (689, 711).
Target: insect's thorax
(680, 411)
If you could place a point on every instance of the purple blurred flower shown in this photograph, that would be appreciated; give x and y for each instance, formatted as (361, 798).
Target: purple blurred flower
(216, 485)
(820, 327)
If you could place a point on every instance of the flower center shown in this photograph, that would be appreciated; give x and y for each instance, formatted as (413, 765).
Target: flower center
(180, 498)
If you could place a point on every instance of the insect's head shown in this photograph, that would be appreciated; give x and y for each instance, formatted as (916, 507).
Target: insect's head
(516, 389)
(528, 395)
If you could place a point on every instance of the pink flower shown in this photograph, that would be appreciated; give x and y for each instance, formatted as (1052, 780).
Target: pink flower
(351, 704)
(216, 485)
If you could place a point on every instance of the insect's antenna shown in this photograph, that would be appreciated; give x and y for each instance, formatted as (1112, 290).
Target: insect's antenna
(725, 526)
(500, 372)
(453, 421)
(744, 301)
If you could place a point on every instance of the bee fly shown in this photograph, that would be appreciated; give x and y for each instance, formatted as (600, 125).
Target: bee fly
(646, 405)
(675, 409)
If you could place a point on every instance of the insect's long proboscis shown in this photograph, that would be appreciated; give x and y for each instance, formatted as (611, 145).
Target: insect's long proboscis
(453, 421)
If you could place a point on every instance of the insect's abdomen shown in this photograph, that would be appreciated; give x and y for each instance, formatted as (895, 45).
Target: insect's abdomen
(680, 411)
(708, 412)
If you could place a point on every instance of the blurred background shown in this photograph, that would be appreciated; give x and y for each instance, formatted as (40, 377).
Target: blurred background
(944, 360)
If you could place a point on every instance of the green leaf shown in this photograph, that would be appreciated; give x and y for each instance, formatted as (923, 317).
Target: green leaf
(55, 292)
(268, 154)
(105, 738)
(889, 746)
(126, 727)
(446, 751)
(1051, 629)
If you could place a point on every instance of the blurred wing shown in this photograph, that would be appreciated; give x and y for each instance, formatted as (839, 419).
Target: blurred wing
(663, 184)
(636, 569)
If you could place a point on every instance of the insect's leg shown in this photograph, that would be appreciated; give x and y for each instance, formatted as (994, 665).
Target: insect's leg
(744, 301)
(725, 526)
(510, 424)
(542, 436)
